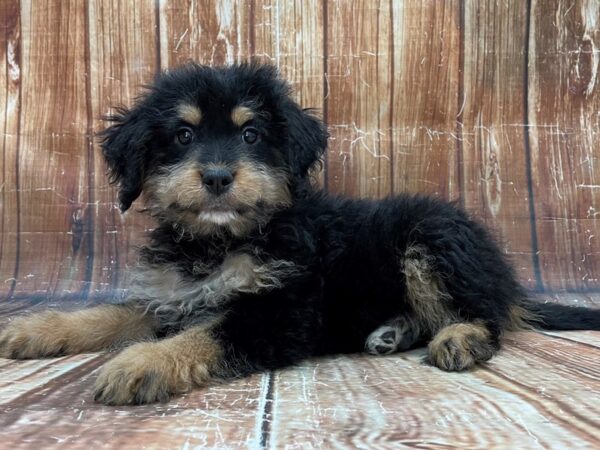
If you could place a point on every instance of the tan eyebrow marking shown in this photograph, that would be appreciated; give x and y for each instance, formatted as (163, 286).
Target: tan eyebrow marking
(190, 113)
(241, 114)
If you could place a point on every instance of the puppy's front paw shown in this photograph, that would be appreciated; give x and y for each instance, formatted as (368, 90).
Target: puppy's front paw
(36, 336)
(144, 373)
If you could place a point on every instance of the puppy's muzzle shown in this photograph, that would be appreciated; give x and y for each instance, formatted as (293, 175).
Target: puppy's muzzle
(217, 181)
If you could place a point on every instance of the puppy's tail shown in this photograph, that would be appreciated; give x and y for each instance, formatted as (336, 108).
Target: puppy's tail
(553, 316)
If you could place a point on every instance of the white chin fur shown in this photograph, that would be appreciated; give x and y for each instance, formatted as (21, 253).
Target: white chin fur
(217, 217)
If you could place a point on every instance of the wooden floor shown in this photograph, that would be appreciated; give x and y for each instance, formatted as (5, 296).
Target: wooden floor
(541, 391)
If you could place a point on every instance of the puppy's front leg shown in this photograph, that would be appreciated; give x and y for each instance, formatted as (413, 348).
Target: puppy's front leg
(153, 371)
(53, 333)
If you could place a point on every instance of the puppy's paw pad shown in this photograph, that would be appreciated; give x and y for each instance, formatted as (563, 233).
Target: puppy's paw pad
(389, 336)
(382, 341)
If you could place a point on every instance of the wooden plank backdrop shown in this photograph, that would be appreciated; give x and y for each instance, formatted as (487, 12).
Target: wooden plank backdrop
(541, 391)
(492, 104)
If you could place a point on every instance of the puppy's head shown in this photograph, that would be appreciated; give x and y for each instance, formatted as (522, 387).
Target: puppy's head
(213, 149)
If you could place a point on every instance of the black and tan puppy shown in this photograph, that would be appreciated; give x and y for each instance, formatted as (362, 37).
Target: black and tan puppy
(250, 269)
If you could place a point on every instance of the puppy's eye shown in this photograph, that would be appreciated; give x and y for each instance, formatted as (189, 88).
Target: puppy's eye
(185, 136)
(250, 135)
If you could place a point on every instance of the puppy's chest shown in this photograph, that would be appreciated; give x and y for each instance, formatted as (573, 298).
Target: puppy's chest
(200, 284)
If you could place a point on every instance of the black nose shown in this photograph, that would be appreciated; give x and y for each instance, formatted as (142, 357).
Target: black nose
(217, 181)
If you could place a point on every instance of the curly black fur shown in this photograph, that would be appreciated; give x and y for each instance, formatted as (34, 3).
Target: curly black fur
(354, 258)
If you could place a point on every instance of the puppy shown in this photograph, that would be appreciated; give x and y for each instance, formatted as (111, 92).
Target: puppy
(250, 268)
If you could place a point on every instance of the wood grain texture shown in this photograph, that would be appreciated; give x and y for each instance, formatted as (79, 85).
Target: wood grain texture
(541, 391)
(426, 58)
(492, 109)
(489, 103)
(123, 56)
(515, 401)
(218, 417)
(10, 99)
(359, 70)
(290, 35)
(53, 152)
(210, 32)
(564, 118)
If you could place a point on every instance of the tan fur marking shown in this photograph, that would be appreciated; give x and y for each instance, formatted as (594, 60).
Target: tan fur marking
(171, 295)
(459, 346)
(241, 114)
(189, 113)
(425, 290)
(182, 185)
(520, 318)
(52, 333)
(153, 371)
(243, 273)
(255, 183)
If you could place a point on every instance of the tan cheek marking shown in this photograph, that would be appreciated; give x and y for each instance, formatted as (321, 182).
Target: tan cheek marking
(182, 185)
(189, 113)
(241, 114)
(255, 183)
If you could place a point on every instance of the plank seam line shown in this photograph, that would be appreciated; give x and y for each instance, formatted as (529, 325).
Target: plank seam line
(539, 286)
(325, 103)
(566, 338)
(91, 169)
(157, 37)
(461, 105)
(266, 412)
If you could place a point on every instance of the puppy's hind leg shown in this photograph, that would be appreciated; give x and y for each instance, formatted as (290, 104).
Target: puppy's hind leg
(396, 335)
(53, 333)
(458, 343)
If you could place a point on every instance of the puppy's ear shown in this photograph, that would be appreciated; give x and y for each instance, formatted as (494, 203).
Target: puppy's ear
(124, 145)
(307, 138)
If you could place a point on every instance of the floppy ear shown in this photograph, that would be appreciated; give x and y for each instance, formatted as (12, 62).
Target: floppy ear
(307, 139)
(124, 147)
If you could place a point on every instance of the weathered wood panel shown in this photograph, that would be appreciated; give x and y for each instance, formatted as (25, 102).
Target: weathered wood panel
(219, 417)
(564, 119)
(290, 35)
(123, 55)
(10, 101)
(542, 391)
(425, 97)
(518, 400)
(359, 70)
(492, 109)
(54, 151)
(209, 32)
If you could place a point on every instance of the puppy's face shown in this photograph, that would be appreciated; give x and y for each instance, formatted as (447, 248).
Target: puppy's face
(213, 149)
